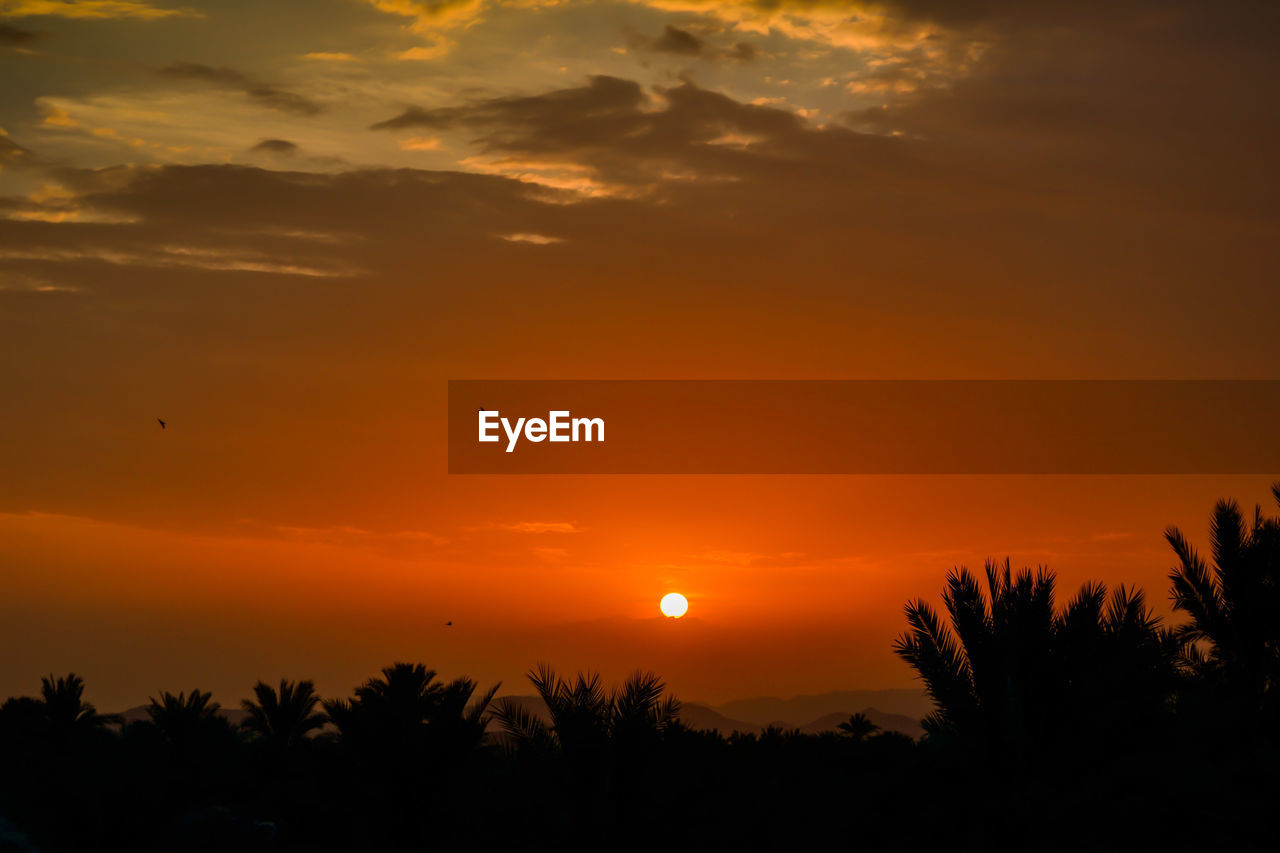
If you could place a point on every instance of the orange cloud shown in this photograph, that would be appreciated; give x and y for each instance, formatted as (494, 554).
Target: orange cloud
(92, 9)
(540, 527)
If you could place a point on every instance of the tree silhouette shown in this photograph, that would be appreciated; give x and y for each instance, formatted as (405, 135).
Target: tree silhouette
(1233, 636)
(179, 716)
(607, 740)
(192, 728)
(283, 717)
(407, 708)
(1016, 676)
(585, 715)
(66, 715)
(859, 727)
(408, 736)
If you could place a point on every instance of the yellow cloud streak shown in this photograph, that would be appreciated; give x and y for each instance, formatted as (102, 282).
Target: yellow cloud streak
(91, 9)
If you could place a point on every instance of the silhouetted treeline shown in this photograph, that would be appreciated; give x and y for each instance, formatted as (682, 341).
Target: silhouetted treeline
(1087, 725)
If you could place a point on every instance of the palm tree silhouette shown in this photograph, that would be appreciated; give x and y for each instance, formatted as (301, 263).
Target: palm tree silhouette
(173, 714)
(408, 736)
(1013, 674)
(284, 717)
(408, 708)
(189, 722)
(65, 712)
(1233, 636)
(859, 727)
(606, 739)
(584, 714)
(191, 740)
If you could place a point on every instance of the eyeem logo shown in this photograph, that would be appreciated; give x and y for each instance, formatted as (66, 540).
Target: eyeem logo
(558, 426)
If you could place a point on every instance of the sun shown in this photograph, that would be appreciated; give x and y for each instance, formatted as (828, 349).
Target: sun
(673, 604)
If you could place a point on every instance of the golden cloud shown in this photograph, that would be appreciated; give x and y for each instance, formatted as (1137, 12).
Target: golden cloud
(91, 9)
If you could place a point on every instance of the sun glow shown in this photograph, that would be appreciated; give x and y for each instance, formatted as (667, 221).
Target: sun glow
(674, 604)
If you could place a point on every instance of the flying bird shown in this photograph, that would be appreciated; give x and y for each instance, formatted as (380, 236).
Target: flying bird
(161, 422)
(449, 624)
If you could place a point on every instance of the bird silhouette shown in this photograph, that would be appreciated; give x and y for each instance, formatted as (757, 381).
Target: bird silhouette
(449, 624)
(161, 422)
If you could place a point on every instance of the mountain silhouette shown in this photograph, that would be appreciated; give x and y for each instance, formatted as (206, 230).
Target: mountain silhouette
(799, 710)
(706, 718)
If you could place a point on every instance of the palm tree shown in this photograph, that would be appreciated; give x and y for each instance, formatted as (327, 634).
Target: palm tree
(66, 714)
(584, 714)
(192, 738)
(859, 727)
(1233, 636)
(184, 719)
(640, 707)
(408, 736)
(284, 717)
(606, 738)
(408, 709)
(1015, 675)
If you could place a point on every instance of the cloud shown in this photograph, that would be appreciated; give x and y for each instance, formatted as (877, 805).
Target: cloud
(11, 153)
(836, 23)
(18, 283)
(432, 18)
(92, 9)
(57, 117)
(538, 527)
(676, 40)
(168, 256)
(1065, 106)
(685, 43)
(607, 100)
(614, 130)
(535, 239)
(420, 143)
(230, 79)
(1084, 143)
(12, 35)
(326, 56)
(438, 49)
(431, 14)
(276, 146)
(400, 542)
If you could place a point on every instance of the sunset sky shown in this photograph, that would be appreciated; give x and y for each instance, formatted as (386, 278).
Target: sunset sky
(283, 227)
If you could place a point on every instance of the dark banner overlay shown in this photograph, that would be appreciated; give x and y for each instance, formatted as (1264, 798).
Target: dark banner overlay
(864, 427)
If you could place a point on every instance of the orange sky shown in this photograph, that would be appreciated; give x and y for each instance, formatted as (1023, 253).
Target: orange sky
(283, 228)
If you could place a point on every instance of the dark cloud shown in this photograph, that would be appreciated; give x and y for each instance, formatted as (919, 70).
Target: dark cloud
(676, 40)
(230, 79)
(1090, 196)
(9, 34)
(11, 153)
(276, 146)
(1173, 100)
(685, 43)
(607, 101)
(613, 127)
(1240, 16)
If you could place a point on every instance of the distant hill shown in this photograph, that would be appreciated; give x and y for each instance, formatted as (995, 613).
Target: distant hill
(798, 710)
(810, 714)
(698, 716)
(887, 722)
